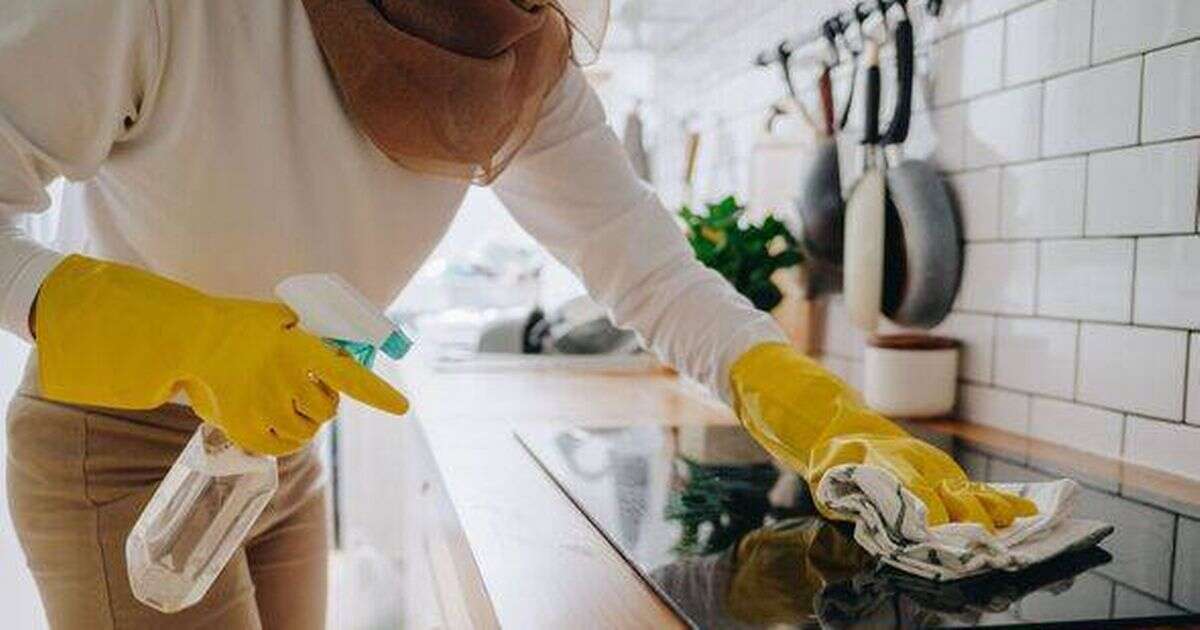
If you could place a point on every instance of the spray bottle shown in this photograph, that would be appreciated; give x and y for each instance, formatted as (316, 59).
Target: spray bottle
(205, 506)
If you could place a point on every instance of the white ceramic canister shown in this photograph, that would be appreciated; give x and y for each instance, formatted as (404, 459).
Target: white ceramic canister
(911, 375)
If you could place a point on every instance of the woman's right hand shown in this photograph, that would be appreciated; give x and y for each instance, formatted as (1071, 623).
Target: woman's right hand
(114, 336)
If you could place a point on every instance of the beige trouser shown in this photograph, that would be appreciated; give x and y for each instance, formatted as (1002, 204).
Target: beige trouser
(78, 479)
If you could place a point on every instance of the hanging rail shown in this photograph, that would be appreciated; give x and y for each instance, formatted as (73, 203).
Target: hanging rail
(836, 26)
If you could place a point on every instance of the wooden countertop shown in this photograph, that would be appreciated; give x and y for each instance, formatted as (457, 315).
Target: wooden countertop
(542, 562)
(532, 559)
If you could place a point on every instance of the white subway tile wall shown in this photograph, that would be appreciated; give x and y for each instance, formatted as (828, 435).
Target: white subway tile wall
(1171, 99)
(1168, 282)
(976, 333)
(1093, 109)
(947, 77)
(1143, 190)
(1047, 38)
(978, 195)
(1003, 127)
(1133, 369)
(982, 59)
(996, 408)
(1036, 355)
(949, 126)
(1126, 27)
(1165, 445)
(981, 10)
(1085, 428)
(999, 277)
(1043, 199)
(1069, 133)
(1086, 279)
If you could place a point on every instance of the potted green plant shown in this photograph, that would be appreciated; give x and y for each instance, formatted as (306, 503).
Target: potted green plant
(744, 253)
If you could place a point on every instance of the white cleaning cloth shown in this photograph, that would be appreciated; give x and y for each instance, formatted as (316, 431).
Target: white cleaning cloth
(890, 524)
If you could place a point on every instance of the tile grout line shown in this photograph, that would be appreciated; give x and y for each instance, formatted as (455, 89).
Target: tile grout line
(1087, 180)
(1082, 403)
(1141, 98)
(995, 349)
(1041, 118)
(1174, 554)
(1187, 369)
(1133, 275)
(1080, 153)
(1093, 238)
(1119, 493)
(1124, 430)
(1029, 414)
(1037, 275)
(1085, 320)
(1004, 48)
(1092, 35)
(1075, 381)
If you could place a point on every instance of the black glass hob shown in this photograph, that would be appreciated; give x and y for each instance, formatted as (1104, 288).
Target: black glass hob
(728, 541)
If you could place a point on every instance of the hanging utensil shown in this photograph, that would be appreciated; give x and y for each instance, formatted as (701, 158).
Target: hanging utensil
(865, 212)
(634, 141)
(777, 156)
(923, 234)
(782, 147)
(860, 16)
(690, 152)
(821, 209)
(820, 205)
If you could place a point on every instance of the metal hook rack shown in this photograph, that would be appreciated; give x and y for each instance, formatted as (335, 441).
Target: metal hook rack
(838, 23)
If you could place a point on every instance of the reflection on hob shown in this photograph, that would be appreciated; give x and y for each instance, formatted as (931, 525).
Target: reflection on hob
(730, 541)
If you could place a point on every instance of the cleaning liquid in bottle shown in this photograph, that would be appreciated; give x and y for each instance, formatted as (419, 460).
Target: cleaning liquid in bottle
(205, 506)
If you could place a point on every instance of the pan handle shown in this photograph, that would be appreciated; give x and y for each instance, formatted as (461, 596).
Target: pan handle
(897, 131)
(825, 87)
(871, 103)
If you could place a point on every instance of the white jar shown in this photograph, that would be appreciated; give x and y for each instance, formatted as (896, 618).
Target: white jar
(911, 375)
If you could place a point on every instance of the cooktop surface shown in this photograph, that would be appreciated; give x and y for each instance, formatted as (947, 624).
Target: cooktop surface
(728, 541)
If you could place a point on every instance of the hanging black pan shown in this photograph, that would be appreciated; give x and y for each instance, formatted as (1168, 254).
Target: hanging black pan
(922, 231)
(820, 203)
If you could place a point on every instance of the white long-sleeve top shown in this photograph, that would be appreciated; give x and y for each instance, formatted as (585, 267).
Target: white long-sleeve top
(205, 141)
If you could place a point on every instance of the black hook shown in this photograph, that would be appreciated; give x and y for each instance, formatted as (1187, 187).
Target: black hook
(842, 23)
(830, 30)
(785, 59)
(860, 16)
(776, 113)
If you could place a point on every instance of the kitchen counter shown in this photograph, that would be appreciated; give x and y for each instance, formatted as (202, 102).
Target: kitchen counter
(490, 540)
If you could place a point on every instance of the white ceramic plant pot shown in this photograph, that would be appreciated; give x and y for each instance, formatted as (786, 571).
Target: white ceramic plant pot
(911, 376)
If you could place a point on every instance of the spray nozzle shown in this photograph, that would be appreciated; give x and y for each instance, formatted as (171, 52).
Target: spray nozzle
(330, 308)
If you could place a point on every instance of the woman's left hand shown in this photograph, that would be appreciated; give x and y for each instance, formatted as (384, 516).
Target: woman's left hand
(811, 420)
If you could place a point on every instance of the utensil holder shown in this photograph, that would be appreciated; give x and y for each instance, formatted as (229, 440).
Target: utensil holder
(911, 375)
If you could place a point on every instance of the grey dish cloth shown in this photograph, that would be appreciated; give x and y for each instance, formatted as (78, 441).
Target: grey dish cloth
(889, 522)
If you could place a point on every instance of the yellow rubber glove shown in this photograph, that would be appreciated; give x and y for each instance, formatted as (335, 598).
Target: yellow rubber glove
(812, 421)
(114, 336)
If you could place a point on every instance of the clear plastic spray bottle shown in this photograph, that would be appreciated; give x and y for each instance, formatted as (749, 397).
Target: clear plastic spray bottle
(205, 506)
